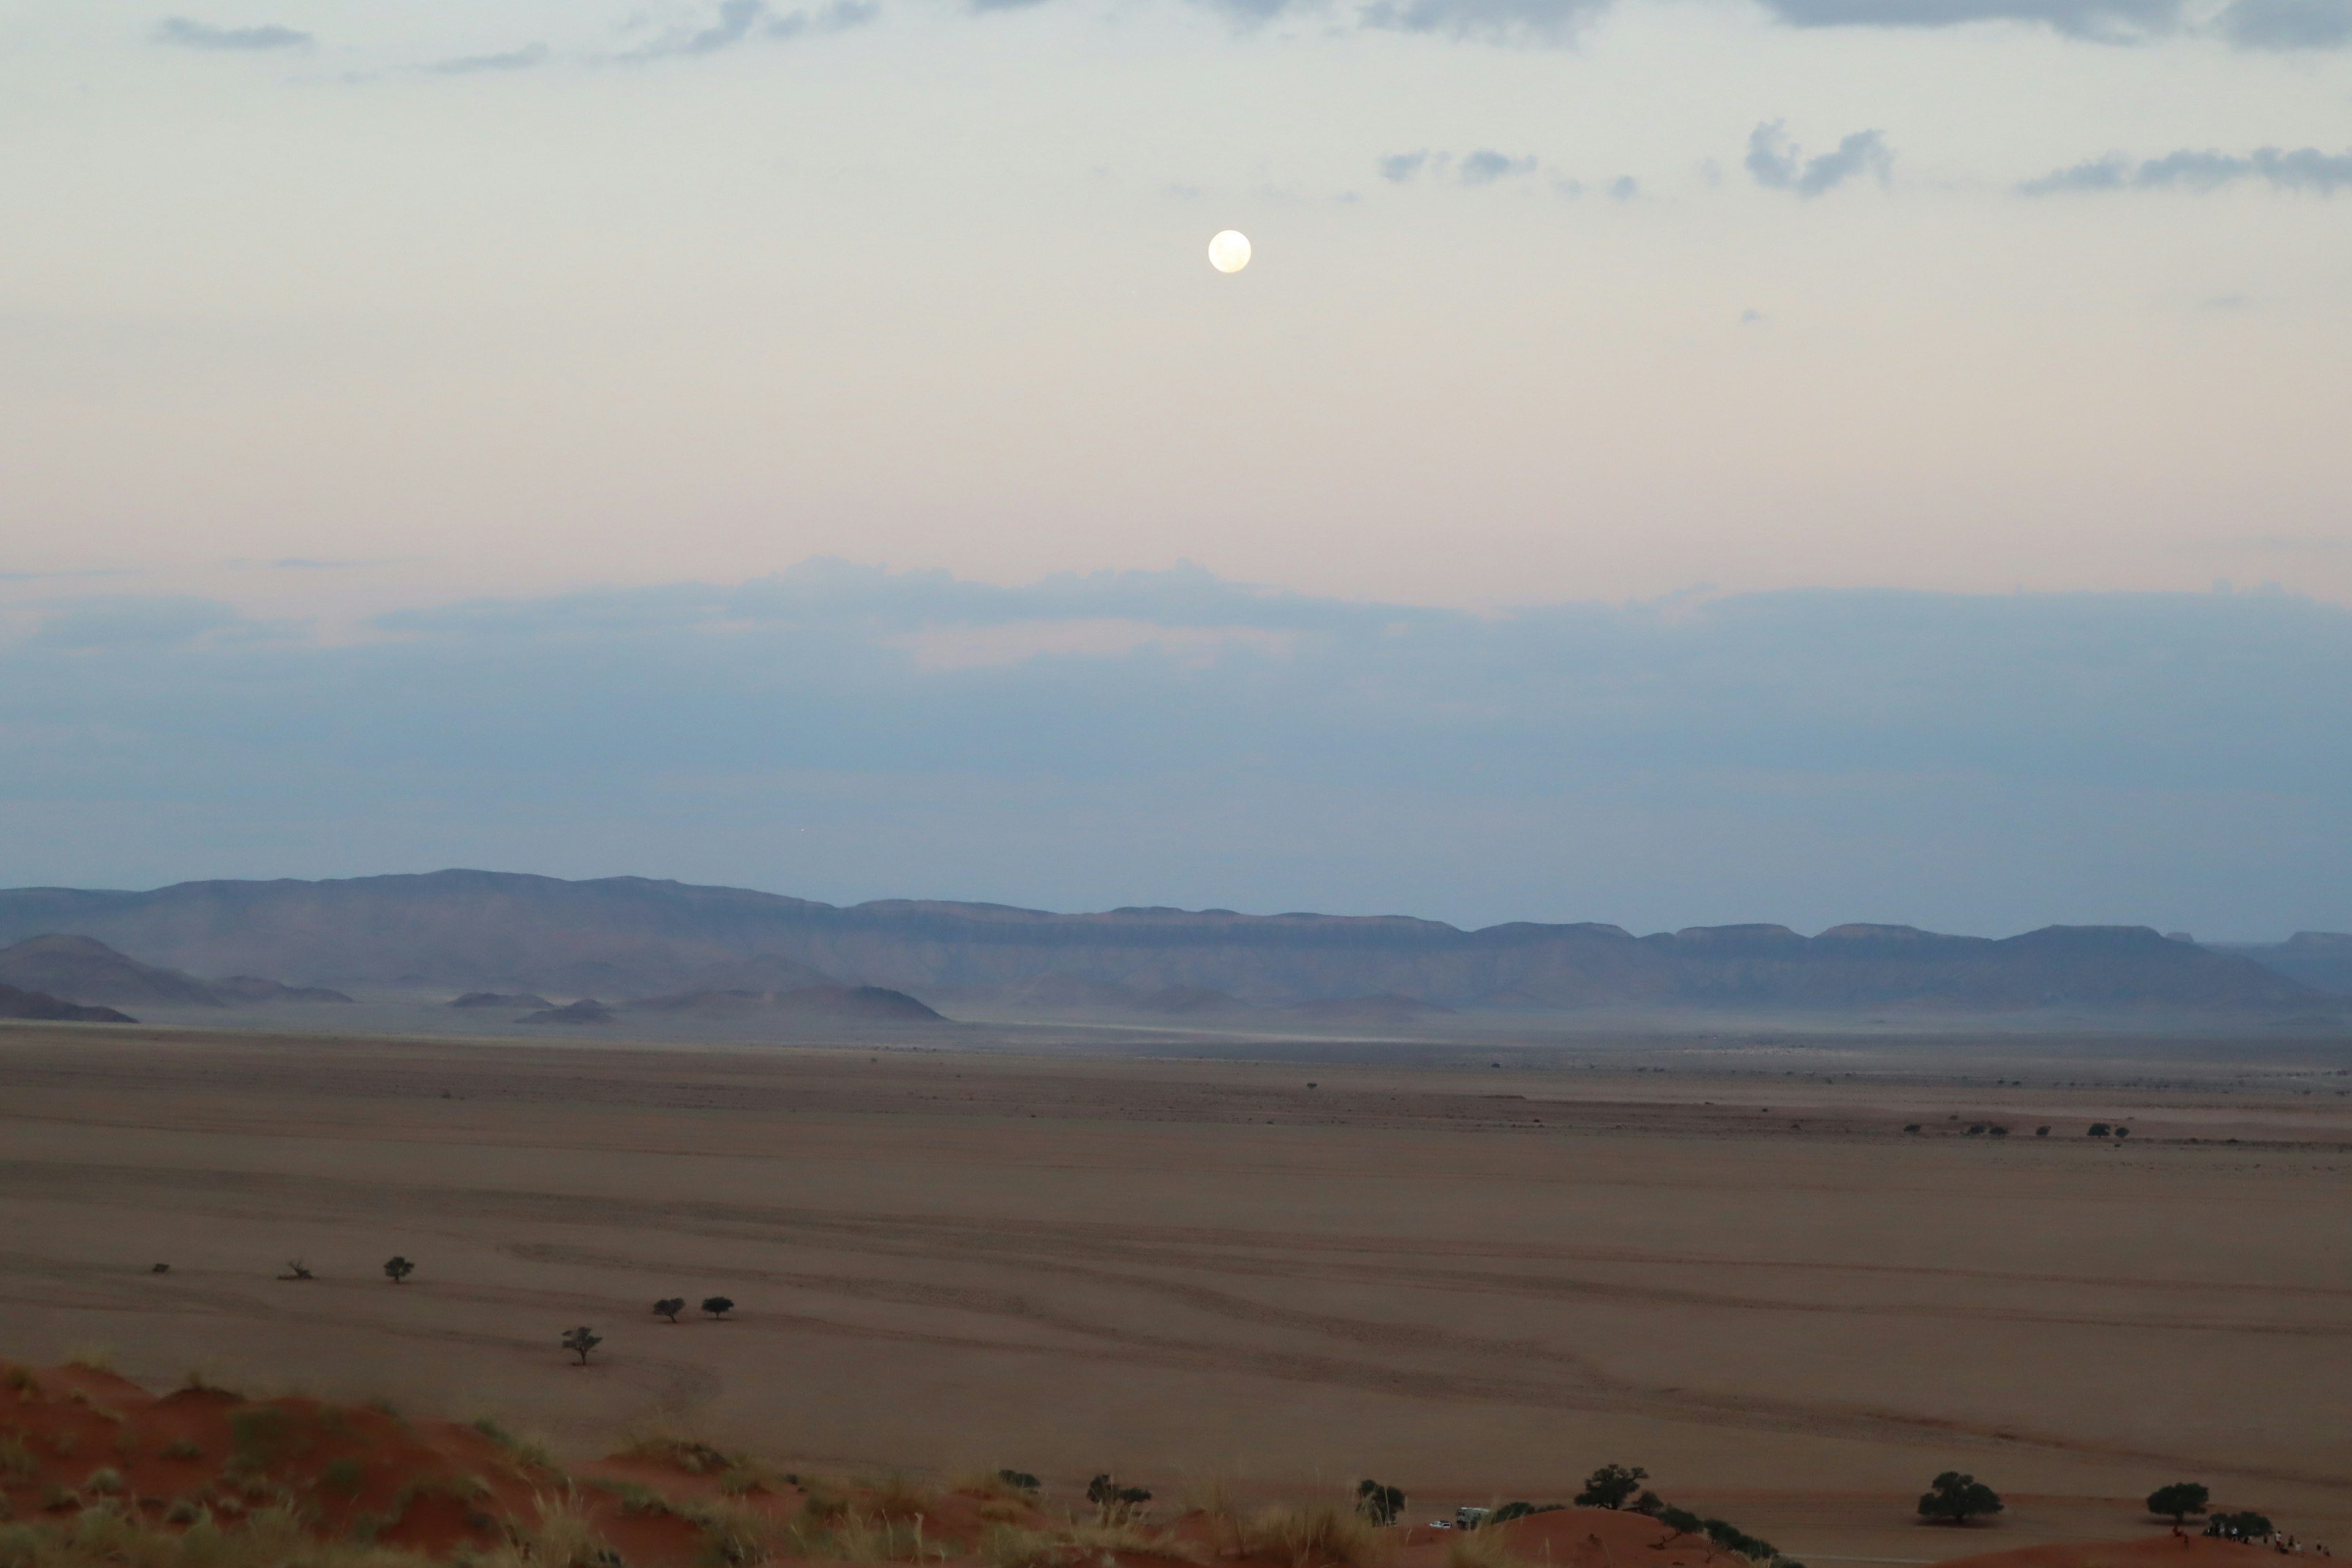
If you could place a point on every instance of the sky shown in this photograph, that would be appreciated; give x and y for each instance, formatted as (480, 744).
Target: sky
(1676, 371)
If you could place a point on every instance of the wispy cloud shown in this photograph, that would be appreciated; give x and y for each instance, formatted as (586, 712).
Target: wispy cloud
(2287, 23)
(2297, 168)
(1777, 164)
(2112, 21)
(1492, 21)
(527, 57)
(189, 34)
(1484, 166)
(739, 22)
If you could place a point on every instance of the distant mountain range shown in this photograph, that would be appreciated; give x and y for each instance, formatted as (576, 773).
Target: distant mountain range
(629, 938)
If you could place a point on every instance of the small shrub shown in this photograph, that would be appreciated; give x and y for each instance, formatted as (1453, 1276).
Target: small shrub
(259, 1436)
(183, 1510)
(1378, 1503)
(2098, 1130)
(17, 1462)
(345, 1476)
(1511, 1510)
(90, 1358)
(106, 1481)
(669, 1307)
(183, 1449)
(717, 1306)
(740, 1482)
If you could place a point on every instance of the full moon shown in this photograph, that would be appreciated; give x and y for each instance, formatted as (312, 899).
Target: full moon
(1229, 252)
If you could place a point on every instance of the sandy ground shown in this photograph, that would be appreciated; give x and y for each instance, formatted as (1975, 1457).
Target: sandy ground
(1726, 1262)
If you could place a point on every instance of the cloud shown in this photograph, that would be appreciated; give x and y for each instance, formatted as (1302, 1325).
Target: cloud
(1402, 168)
(1777, 164)
(738, 22)
(1484, 167)
(2287, 23)
(527, 57)
(2112, 21)
(2297, 168)
(1492, 21)
(188, 33)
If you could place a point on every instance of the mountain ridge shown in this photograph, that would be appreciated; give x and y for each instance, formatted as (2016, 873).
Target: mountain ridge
(643, 937)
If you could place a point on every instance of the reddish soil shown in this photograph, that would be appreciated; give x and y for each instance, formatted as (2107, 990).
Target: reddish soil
(2167, 1551)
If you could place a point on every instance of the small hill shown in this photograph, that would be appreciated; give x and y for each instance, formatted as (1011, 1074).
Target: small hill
(872, 1005)
(42, 1006)
(83, 969)
(507, 1000)
(253, 988)
(587, 1010)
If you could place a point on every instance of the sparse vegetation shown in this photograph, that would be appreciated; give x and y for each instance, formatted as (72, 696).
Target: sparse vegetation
(1955, 1499)
(2098, 1130)
(343, 1476)
(106, 1481)
(1612, 1486)
(259, 1436)
(1321, 1533)
(2178, 1500)
(670, 1307)
(17, 1461)
(92, 1358)
(717, 1306)
(296, 1269)
(581, 1341)
(1379, 1504)
(183, 1449)
(397, 1268)
(1115, 1504)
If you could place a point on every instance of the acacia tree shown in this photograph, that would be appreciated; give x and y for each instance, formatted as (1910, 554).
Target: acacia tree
(1956, 1499)
(717, 1306)
(2178, 1500)
(670, 1307)
(397, 1268)
(581, 1341)
(1612, 1486)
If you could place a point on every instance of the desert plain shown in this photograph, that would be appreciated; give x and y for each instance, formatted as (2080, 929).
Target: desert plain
(1473, 1268)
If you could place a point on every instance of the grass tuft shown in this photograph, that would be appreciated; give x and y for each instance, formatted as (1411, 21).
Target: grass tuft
(1321, 1533)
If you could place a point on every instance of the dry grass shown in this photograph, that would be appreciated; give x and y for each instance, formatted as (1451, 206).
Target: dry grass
(565, 1536)
(1479, 1549)
(733, 1535)
(103, 1538)
(1321, 1533)
(990, 1486)
(17, 1462)
(897, 1498)
(91, 1357)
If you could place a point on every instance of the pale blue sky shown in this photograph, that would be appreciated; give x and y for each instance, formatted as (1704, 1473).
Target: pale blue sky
(1641, 415)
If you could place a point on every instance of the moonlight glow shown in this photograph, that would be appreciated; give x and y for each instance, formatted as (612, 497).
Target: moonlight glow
(1230, 251)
